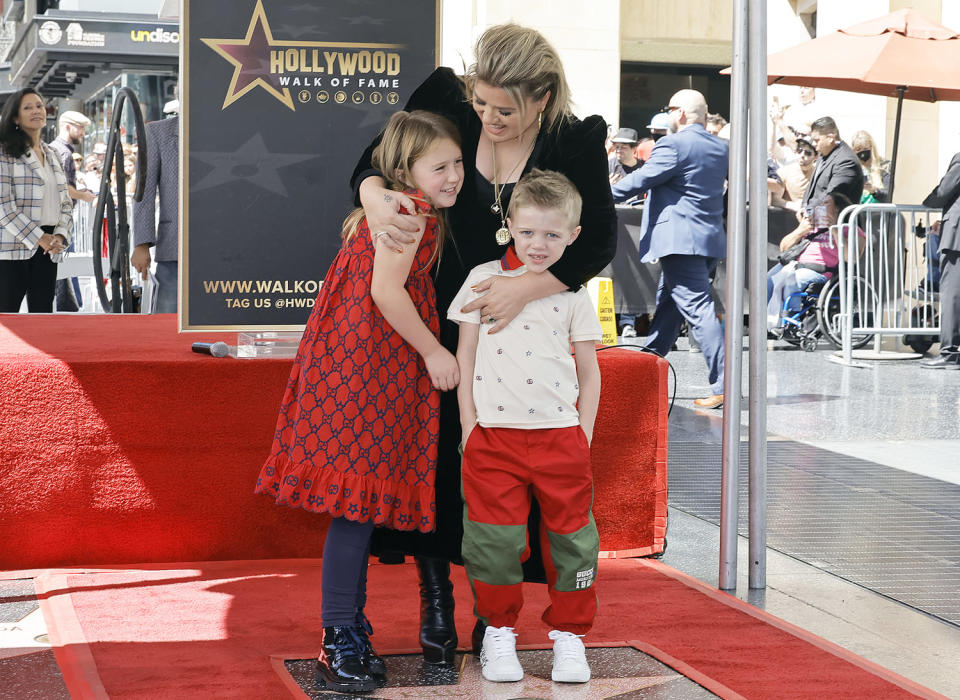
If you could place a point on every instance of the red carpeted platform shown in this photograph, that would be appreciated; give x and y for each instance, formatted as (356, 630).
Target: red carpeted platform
(222, 629)
(118, 444)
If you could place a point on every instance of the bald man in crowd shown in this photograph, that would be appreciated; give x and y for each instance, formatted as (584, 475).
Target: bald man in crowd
(683, 227)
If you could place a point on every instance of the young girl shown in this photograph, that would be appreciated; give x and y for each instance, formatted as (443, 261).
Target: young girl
(358, 425)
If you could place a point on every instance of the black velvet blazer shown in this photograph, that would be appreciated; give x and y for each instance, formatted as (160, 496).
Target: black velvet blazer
(574, 148)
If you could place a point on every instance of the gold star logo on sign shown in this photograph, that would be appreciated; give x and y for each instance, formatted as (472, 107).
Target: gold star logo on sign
(259, 60)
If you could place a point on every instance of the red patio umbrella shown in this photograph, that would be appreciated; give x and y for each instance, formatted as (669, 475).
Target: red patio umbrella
(902, 55)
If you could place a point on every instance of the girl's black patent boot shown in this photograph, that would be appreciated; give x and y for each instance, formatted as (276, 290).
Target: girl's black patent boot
(368, 655)
(340, 666)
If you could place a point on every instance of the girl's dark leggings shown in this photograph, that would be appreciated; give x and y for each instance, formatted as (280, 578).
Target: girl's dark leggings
(344, 587)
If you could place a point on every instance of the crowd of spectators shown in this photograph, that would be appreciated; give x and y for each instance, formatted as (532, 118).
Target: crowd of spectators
(90, 168)
(793, 154)
(810, 167)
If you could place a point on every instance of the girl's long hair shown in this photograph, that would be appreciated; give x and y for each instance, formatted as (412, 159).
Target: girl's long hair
(14, 140)
(408, 136)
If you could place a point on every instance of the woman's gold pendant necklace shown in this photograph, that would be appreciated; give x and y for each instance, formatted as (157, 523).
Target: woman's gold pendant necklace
(503, 233)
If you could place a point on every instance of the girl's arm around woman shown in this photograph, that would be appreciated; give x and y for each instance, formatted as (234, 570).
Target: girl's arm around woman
(390, 271)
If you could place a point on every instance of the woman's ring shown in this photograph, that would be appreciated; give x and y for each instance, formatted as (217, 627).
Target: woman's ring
(378, 234)
(491, 319)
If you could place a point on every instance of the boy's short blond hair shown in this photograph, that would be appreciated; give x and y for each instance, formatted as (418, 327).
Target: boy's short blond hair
(547, 189)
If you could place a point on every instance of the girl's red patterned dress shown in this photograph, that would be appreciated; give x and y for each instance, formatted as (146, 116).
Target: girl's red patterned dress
(358, 425)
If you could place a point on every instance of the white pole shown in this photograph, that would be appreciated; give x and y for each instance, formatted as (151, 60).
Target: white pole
(733, 339)
(758, 288)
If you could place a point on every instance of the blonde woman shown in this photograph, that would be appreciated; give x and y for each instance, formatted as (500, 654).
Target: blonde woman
(513, 112)
(876, 171)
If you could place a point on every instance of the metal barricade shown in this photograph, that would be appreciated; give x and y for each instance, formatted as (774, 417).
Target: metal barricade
(79, 262)
(82, 216)
(879, 276)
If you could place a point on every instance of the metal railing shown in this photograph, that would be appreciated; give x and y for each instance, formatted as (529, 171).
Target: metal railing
(82, 222)
(879, 275)
(83, 213)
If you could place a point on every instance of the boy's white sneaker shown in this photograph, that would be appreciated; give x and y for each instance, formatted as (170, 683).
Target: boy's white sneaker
(569, 658)
(498, 656)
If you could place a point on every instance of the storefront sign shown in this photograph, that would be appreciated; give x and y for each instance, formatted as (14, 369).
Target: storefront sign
(162, 38)
(279, 101)
(89, 39)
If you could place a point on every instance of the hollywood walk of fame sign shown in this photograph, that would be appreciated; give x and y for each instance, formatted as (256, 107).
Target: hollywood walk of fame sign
(278, 102)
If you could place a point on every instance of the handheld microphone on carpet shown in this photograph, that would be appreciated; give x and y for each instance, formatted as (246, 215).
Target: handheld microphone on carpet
(218, 349)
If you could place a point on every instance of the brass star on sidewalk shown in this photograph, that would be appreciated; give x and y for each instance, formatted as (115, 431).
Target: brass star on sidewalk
(249, 57)
(472, 685)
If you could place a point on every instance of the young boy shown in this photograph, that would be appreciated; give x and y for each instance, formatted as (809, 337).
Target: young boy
(528, 418)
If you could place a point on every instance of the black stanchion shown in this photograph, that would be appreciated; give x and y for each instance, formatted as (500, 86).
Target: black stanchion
(118, 227)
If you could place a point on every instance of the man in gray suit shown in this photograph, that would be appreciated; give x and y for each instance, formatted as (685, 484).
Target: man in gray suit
(682, 226)
(946, 196)
(161, 232)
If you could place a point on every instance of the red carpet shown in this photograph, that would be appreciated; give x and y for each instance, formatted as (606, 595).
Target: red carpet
(210, 630)
(120, 445)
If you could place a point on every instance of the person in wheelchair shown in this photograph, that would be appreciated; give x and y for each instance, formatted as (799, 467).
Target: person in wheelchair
(809, 256)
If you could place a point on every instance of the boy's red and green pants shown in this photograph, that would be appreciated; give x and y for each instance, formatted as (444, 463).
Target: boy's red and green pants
(501, 469)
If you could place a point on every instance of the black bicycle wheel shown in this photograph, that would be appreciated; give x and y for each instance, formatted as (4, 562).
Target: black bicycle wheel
(828, 311)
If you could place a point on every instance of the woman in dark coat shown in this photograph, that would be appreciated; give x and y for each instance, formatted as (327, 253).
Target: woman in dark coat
(513, 113)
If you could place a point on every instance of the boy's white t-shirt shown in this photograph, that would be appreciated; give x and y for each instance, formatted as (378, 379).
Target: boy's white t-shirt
(525, 376)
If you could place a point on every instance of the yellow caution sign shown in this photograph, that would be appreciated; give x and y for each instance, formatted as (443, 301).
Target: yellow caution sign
(601, 292)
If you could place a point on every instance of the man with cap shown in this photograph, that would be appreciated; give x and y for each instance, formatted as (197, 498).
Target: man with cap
(624, 159)
(623, 162)
(796, 175)
(659, 126)
(72, 126)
